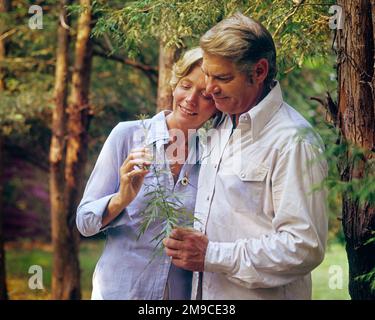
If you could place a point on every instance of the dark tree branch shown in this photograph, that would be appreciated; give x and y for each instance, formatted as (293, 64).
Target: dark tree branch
(150, 71)
(329, 105)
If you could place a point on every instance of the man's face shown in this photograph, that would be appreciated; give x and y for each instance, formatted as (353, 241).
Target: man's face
(231, 89)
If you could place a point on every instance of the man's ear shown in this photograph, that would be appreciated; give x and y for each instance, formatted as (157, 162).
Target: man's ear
(260, 70)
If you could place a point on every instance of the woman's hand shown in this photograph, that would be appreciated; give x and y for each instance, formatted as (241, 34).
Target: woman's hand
(132, 174)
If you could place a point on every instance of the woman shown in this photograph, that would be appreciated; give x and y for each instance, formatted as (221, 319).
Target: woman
(116, 194)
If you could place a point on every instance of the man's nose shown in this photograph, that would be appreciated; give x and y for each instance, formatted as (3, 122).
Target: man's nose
(211, 87)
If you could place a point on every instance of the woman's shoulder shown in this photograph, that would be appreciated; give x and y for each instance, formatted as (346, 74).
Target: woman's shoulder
(126, 133)
(126, 128)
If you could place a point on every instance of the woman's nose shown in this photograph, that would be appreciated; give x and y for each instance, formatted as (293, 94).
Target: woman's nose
(191, 99)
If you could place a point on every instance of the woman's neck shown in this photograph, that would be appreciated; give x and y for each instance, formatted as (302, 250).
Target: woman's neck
(173, 125)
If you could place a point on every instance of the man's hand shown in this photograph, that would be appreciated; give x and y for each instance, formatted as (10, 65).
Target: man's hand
(187, 247)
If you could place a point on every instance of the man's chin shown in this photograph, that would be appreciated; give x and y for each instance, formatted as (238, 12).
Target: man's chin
(222, 105)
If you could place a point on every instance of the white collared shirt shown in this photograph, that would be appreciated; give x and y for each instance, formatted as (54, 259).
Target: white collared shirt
(266, 227)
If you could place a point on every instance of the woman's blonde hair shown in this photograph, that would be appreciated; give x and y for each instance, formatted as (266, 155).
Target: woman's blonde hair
(185, 65)
(243, 41)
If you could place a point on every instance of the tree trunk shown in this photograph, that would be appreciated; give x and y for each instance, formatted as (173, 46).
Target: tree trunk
(62, 287)
(167, 57)
(76, 149)
(356, 103)
(3, 287)
(4, 7)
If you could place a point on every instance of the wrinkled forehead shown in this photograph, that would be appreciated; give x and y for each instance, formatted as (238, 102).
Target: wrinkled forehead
(217, 65)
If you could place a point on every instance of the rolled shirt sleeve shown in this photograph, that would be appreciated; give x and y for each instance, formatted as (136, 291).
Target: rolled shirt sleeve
(102, 185)
(297, 243)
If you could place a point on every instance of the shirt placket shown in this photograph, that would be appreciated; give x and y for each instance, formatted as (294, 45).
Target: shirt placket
(213, 171)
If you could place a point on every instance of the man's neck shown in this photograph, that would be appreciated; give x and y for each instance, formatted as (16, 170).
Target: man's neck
(235, 117)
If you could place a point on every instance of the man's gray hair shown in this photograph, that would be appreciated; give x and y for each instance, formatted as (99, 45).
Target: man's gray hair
(243, 41)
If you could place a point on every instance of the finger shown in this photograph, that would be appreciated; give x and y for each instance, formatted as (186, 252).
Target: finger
(144, 156)
(180, 233)
(137, 153)
(135, 173)
(146, 151)
(140, 163)
(172, 253)
(172, 244)
(178, 263)
(141, 149)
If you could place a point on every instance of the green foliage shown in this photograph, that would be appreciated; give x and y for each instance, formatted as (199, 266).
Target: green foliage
(368, 277)
(164, 207)
(296, 29)
(28, 68)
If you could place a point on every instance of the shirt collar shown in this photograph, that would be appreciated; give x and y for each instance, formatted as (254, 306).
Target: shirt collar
(158, 134)
(158, 130)
(263, 112)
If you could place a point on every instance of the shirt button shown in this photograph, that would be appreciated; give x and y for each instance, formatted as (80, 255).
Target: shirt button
(208, 198)
(215, 166)
(242, 175)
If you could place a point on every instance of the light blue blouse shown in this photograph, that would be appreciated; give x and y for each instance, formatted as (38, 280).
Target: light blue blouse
(124, 270)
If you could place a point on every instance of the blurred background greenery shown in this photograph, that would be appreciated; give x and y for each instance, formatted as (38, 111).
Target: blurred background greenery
(330, 279)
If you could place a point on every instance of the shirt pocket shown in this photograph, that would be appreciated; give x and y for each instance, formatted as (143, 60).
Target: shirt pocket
(252, 187)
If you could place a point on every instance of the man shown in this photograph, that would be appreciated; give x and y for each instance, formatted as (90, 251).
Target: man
(262, 227)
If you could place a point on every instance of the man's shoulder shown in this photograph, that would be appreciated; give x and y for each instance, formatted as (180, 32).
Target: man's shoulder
(288, 127)
(287, 115)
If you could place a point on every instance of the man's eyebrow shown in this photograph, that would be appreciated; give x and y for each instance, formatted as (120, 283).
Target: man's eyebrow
(217, 75)
(223, 75)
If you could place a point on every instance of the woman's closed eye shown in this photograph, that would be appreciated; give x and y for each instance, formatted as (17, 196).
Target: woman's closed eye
(185, 85)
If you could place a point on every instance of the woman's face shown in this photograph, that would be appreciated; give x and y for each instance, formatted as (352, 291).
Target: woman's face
(192, 107)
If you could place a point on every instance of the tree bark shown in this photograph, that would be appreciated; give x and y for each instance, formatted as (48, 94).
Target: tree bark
(356, 104)
(3, 287)
(4, 7)
(167, 57)
(76, 149)
(64, 280)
